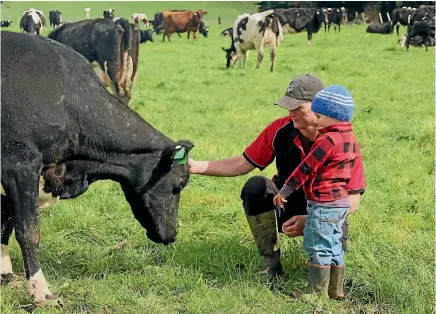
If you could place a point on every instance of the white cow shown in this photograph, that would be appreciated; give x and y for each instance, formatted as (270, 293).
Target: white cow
(37, 17)
(87, 12)
(254, 32)
(140, 18)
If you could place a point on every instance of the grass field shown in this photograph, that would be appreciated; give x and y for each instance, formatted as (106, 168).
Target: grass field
(97, 258)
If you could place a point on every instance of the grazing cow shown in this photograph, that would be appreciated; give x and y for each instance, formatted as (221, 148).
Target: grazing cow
(253, 32)
(422, 29)
(300, 19)
(334, 16)
(54, 130)
(87, 12)
(180, 22)
(385, 28)
(231, 54)
(113, 45)
(32, 21)
(140, 19)
(108, 14)
(146, 35)
(401, 16)
(55, 18)
(6, 23)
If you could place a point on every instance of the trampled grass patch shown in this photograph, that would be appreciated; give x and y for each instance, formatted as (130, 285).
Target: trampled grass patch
(97, 257)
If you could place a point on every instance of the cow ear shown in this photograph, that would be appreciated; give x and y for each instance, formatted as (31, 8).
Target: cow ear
(204, 12)
(177, 152)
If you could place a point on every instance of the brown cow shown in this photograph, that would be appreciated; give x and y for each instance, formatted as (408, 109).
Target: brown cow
(180, 22)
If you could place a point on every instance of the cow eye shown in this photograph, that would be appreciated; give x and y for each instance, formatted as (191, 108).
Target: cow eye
(181, 183)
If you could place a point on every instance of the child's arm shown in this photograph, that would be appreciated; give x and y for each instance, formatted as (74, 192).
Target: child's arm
(321, 150)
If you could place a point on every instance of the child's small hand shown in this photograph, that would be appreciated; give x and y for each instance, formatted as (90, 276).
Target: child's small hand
(279, 201)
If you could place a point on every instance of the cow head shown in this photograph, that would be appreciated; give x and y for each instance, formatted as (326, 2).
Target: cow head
(154, 195)
(199, 14)
(203, 29)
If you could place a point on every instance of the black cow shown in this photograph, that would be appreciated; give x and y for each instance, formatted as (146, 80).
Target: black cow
(385, 28)
(422, 29)
(108, 14)
(73, 132)
(146, 35)
(114, 45)
(300, 19)
(334, 16)
(32, 21)
(6, 23)
(401, 16)
(55, 18)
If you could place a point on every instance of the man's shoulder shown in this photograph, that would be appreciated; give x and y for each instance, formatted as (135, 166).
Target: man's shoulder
(280, 123)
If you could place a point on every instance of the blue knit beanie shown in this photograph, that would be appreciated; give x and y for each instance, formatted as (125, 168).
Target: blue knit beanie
(334, 101)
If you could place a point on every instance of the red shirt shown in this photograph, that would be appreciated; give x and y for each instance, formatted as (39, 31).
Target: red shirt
(280, 141)
(327, 168)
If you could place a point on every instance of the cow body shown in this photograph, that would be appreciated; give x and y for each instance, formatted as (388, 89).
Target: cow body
(55, 18)
(32, 21)
(385, 28)
(54, 130)
(6, 23)
(254, 32)
(140, 19)
(146, 35)
(334, 16)
(180, 22)
(113, 45)
(301, 19)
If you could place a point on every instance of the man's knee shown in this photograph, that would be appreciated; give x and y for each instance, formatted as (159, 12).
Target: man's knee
(253, 196)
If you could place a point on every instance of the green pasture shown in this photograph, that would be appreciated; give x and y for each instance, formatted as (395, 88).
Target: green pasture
(96, 256)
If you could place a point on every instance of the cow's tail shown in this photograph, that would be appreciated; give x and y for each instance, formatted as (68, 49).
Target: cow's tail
(126, 57)
(277, 29)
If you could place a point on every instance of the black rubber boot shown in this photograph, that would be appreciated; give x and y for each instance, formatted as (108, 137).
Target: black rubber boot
(336, 286)
(265, 234)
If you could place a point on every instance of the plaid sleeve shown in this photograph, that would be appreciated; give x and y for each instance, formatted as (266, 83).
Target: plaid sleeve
(357, 180)
(321, 150)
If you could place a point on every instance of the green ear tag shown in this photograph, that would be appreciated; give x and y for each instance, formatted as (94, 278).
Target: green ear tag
(180, 154)
(183, 160)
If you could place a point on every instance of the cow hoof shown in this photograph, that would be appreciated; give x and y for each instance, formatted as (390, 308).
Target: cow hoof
(51, 301)
(11, 279)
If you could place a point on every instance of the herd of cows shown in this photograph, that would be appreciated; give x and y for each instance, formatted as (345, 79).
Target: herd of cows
(51, 133)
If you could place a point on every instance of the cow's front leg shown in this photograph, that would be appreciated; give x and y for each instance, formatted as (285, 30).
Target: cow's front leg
(7, 226)
(21, 184)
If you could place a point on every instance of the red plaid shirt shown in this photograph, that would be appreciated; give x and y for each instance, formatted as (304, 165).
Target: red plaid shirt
(327, 168)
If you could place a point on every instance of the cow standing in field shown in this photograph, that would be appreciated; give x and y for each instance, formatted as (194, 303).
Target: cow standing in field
(109, 14)
(55, 131)
(32, 21)
(334, 16)
(253, 32)
(114, 46)
(140, 19)
(6, 23)
(401, 17)
(180, 22)
(55, 18)
(299, 20)
(421, 29)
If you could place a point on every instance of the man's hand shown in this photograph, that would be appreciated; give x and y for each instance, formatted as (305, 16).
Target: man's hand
(294, 227)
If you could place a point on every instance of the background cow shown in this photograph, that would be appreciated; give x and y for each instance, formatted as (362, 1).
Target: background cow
(334, 16)
(32, 21)
(421, 29)
(140, 19)
(401, 16)
(6, 23)
(55, 18)
(113, 45)
(180, 22)
(55, 130)
(109, 14)
(253, 32)
(385, 28)
(146, 35)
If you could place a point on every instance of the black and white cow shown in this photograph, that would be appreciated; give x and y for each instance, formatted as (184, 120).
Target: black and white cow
(401, 17)
(421, 29)
(55, 18)
(6, 23)
(299, 20)
(254, 32)
(55, 131)
(146, 35)
(113, 45)
(32, 21)
(108, 14)
(385, 28)
(334, 16)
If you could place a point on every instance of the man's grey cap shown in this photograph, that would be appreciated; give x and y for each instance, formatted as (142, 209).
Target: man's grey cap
(301, 89)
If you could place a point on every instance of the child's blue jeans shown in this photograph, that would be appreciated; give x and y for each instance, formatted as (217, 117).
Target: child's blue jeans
(322, 233)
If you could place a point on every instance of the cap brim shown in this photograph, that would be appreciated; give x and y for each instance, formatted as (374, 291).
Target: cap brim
(289, 102)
